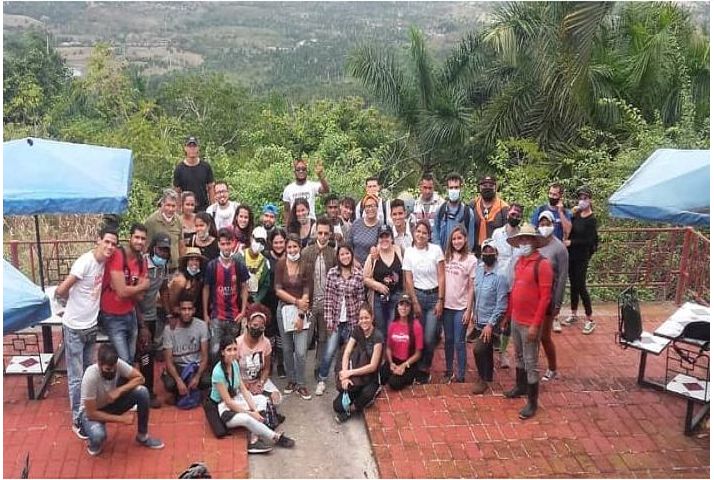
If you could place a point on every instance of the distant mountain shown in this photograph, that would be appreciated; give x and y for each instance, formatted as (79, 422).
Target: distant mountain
(292, 47)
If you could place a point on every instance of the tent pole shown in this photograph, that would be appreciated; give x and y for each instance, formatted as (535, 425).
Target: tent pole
(46, 330)
(39, 251)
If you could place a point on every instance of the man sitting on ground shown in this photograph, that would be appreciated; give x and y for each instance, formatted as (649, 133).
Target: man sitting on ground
(186, 356)
(104, 401)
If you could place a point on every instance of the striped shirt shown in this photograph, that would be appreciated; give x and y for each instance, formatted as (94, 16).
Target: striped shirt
(225, 284)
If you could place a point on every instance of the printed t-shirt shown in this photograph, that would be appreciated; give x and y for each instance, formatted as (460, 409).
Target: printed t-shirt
(224, 284)
(252, 362)
(457, 274)
(185, 342)
(398, 339)
(308, 190)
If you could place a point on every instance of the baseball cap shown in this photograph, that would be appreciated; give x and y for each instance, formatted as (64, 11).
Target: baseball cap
(405, 298)
(385, 230)
(259, 233)
(547, 214)
(162, 240)
(584, 191)
(490, 243)
(270, 208)
(487, 179)
(190, 139)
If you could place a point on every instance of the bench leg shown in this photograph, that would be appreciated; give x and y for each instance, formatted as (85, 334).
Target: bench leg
(30, 387)
(641, 374)
(691, 424)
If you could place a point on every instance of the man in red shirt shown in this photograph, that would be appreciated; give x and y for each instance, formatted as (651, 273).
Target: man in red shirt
(530, 297)
(125, 281)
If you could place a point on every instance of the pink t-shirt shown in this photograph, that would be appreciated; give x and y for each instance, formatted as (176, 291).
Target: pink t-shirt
(456, 278)
(398, 339)
(252, 362)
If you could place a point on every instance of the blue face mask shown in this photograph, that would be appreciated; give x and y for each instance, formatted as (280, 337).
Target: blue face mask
(158, 261)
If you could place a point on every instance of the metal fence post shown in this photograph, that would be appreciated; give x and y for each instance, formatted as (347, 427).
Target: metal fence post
(683, 267)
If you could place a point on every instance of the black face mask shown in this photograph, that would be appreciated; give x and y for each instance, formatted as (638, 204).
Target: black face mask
(255, 332)
(489, 259)
(553, 201)
(109, 375)
(514, 222)
(488, 193)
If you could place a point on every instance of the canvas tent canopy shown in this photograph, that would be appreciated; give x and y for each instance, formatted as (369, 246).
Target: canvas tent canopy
(671, 186)
(24, 304)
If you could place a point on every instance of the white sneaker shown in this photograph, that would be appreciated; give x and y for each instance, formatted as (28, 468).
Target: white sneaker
(549, 375)
(589, 327)
(556, 326)
(571, 319)
(320, 389)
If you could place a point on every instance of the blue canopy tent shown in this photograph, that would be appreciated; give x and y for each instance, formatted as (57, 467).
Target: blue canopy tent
(671, 186)
(48, 177)
(24, 304)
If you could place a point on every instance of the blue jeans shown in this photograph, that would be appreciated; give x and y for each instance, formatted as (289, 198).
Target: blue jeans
(294, 349)
(122, 331)
(384, 312)
(455, 335)
(217, 329)
(97, 431)
(427, 302)
(339, 336)
(79, 353)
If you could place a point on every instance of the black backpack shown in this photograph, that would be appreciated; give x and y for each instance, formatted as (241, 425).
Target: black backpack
(196, 470)
(698, 331)
(630, 319)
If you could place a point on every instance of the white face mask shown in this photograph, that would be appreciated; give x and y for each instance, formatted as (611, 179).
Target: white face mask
(294, 257)
(225, 255)
(168, 219)
(584, 204)
(454, 194)
(526, 249)
(256, 247)
(546, 231)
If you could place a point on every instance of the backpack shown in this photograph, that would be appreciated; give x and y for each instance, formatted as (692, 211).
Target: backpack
(630, 319)
(698, 331)
(193, 398)
(196, 470)
(465, 219)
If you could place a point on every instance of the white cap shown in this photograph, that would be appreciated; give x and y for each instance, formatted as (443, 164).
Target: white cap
(547, 214)
(260, 233)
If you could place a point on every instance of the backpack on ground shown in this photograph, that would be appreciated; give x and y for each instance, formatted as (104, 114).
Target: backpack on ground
(196, 470)
(630, 319)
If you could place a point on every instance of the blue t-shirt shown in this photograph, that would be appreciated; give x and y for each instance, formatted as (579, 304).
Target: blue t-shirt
(218, 376)
(557, 225)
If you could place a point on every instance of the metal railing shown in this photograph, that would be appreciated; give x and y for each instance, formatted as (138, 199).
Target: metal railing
(670, 263)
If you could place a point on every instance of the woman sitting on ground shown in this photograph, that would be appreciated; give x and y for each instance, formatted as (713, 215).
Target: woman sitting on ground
(237, 406)
(361, 383)
(405, 342)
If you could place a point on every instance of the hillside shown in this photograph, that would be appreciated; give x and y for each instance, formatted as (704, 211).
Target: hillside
(297, 48)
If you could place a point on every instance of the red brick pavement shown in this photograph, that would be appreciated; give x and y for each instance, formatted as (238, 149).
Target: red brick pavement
(593, 421)
(42, 427)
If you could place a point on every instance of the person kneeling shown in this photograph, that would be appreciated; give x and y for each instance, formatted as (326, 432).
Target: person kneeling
(405, 342)
(358, 381)
(186, 357)
(237, 406)
(104, 401)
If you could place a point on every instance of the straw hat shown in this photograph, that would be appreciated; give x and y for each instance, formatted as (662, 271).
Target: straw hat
(527, 231)
(191, 252)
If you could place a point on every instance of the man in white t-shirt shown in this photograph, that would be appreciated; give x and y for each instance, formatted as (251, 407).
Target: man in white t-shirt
(82, 289)
(304, 188)
(224, 209)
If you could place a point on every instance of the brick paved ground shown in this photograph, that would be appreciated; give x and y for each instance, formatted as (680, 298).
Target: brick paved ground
(43, 428)
(593, 421)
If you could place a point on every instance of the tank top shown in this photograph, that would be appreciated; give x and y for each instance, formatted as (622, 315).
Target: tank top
(393, 271)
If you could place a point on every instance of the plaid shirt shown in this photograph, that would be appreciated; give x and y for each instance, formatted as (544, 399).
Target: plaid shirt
(337, 288)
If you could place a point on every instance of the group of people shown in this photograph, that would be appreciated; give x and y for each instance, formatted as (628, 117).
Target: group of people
(226, 299)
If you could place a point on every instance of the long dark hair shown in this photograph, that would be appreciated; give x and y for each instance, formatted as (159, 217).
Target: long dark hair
(294, 225)
(225, 341)
(208, 220)
(410, 324)
(243, 234)
(349, 248)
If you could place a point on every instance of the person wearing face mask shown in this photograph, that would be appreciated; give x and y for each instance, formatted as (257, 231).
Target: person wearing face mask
(490, 294)
(318, 259)
(451, 213)
(188, 281)
(165, 219)
(562, 217)
(105, 401)
(507, 256)
(150, 312)
(205, 236)
(344, 293)
(557, 255)
(581, 245)
(276, 240)
(530, 298)
(300, 222)
(225, 293)
(184, 346)
(257, 264)
(490, 212)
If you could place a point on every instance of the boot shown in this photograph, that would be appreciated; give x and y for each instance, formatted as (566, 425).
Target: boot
(530, 409)
(521, 386)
